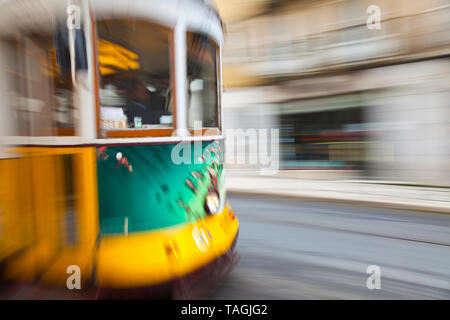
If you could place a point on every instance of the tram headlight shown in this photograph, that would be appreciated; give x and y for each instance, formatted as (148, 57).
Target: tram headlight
(212, 203)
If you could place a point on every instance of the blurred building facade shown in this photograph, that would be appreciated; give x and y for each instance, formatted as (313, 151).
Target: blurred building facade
(343, 95)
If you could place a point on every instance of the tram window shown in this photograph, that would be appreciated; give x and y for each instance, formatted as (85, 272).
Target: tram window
(202, 82)
(135, 94)
(38, 88)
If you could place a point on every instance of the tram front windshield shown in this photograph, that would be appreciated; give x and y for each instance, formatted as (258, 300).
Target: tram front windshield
(134, 58)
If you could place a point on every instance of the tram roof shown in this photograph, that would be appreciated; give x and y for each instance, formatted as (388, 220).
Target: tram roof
(195, 14)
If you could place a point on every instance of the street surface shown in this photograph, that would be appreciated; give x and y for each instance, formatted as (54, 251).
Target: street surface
(318, 250)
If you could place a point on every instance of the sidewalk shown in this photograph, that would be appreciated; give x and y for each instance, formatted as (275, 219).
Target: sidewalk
(372, 193)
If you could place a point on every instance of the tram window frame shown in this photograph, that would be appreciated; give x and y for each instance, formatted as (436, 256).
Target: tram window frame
(31, 105)
(165, 131)
(212, 130)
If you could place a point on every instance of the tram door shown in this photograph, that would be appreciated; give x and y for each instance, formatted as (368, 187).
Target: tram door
(48, 194)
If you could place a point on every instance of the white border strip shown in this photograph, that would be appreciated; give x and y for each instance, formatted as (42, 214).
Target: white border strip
(78, 141)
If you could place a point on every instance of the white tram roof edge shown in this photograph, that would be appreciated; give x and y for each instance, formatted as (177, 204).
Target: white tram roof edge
(194, 14)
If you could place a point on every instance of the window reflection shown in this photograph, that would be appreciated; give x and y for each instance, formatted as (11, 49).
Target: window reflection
(37, 82)
(202, 81)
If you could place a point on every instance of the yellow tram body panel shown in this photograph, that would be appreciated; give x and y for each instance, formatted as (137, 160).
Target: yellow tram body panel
(15, 207)
(33, 195)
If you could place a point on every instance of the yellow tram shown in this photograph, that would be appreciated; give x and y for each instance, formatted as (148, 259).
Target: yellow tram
(111, 147)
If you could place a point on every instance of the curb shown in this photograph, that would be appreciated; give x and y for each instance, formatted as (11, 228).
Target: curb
(365, 203)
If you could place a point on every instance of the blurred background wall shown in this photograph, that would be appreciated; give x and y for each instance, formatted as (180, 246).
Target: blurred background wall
(373, 102)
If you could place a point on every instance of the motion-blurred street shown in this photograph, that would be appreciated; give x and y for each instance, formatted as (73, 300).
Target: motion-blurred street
(320, 250)
(362, 114)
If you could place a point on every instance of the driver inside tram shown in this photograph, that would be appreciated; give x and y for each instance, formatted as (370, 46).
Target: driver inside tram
(144, 104)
